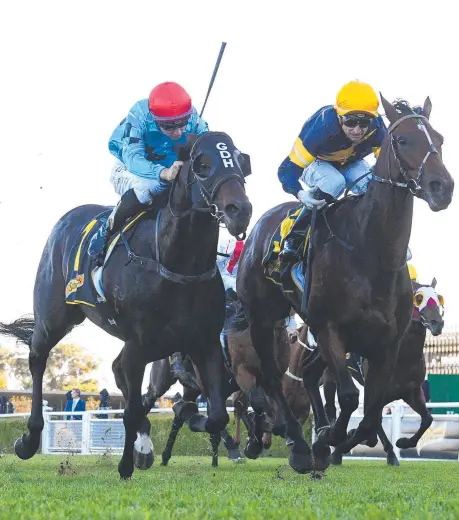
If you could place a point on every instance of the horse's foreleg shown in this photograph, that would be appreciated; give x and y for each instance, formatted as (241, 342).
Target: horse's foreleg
(209, 363)
(377, 381)
(262, 334)
(133, 366)
(215, 439)
(334, 353)
(391, 458)
(417, 402)
(329, 395)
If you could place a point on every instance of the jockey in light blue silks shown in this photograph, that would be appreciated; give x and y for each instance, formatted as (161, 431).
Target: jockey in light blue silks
(145, 160)
(146, 165)
(328, 156)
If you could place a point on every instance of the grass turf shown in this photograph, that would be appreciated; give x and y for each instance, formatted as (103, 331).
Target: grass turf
(72, 487)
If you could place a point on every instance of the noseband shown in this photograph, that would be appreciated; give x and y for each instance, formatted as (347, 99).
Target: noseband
(413, 184)
(209, 192)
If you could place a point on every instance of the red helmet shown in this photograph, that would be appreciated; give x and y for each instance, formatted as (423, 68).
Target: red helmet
(169, 102)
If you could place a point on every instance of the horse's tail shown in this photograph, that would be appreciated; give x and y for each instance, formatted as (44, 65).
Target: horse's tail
(21, 329)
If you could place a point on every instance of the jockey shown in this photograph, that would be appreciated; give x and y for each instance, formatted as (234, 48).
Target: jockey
(328, 156)
(146, 165)
(145, 160)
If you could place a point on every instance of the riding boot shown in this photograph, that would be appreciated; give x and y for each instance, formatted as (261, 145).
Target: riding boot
(179, 371)
(128, 206)
(292, 242)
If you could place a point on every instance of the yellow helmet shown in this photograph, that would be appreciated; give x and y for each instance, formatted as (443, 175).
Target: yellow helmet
(356, 96)
(412, 271)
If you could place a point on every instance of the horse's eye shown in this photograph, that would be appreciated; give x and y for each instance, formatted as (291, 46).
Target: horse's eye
(401, 140)
(418, 299)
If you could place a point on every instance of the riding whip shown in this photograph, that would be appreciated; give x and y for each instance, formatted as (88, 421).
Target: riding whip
(219, 59)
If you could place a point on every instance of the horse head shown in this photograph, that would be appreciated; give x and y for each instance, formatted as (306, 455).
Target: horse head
(218, 170)
(429, 307)
(415, 151)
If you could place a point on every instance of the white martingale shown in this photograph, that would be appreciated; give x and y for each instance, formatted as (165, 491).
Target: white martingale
(225, 155)
(311, 339)
(143, 444)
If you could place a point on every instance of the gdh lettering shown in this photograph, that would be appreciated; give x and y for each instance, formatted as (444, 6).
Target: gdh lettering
(225, 155)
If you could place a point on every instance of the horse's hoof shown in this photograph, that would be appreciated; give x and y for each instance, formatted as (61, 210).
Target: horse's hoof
(300, 458)
(125, 470)
(164, 459)
(235, 455)
(24, 451)
(253, 449)
(321, 456)
(404, 443)
(301, 463)
(198, 423)
(185, 410)
(371, 441)
(336, 458)
(143, 452)
(215, 463)
(393, 461)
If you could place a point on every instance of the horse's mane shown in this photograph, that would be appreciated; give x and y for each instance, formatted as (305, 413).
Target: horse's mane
(404, 108)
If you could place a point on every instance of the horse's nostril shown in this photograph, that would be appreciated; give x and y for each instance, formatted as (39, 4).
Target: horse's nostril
(232, 210)
(436, 187)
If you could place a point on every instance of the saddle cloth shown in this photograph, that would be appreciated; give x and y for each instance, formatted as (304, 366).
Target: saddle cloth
(83, 281)
(271, 261)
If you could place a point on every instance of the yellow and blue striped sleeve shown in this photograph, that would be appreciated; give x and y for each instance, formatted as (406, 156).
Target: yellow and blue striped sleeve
(300, 155)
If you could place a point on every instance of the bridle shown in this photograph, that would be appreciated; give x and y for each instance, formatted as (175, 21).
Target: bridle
(207, 190)
(413, 184)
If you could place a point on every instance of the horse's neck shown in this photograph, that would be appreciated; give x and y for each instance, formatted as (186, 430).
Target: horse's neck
(413, 342)
(385, 216)
(187, 244)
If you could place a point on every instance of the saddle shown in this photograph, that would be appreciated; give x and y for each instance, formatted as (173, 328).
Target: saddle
(83, 281)
(271, 259)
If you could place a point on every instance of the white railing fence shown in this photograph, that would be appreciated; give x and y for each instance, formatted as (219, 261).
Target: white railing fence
(439, 442)
(101, 431)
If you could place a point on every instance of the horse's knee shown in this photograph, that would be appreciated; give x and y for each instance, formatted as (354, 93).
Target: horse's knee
(349, 399)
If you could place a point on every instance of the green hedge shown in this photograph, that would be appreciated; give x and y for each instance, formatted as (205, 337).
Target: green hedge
(188, 443)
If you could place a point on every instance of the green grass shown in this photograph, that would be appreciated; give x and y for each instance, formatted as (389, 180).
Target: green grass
(191, 489)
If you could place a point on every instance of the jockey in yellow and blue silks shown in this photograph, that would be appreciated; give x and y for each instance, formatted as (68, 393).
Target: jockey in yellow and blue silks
(328, 155)
(145, 159)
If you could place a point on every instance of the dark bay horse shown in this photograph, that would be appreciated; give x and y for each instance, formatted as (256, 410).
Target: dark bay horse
(409, 373)
(161, 379)
(361, 297)
(162, 306)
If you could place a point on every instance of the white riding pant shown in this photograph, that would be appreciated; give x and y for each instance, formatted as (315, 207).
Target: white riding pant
(323, 175)
(123, 180)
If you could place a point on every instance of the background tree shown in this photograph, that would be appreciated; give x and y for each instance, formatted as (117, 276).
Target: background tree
(68, 367)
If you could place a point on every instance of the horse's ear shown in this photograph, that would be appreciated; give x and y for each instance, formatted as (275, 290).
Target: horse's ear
(183, 150)
(427, 108)
(389, 109)
(246, 166)
(434, 282)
